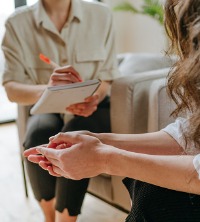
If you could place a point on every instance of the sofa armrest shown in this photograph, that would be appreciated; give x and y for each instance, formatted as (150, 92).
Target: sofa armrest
(160, 106)
(121, 196)
(129, 101)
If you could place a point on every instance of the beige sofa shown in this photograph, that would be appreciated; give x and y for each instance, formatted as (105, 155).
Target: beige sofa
(131, 112)
(160, 106)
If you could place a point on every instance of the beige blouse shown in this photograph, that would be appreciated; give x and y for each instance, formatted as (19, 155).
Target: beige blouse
(86, 42)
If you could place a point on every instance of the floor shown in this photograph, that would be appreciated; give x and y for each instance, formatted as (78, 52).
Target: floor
(13, 204)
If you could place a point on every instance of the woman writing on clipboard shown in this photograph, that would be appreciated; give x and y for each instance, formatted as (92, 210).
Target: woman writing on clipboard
(69, 32)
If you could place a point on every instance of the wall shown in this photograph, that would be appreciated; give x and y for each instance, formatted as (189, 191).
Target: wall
(137, 33)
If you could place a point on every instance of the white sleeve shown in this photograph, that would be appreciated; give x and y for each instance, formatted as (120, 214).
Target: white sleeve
(177, 129)
(196, 163)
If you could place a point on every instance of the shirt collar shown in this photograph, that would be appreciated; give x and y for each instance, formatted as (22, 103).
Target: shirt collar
(76, 9)
(41, 15)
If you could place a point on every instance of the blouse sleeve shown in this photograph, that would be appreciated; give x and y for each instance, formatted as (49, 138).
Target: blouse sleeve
(177, 129)
(196, 163)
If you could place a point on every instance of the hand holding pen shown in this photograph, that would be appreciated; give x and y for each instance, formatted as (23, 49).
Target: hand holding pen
(65, 75)
(61, 75)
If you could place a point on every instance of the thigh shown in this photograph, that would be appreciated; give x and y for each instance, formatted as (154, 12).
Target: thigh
(41, 127)
(153, 203)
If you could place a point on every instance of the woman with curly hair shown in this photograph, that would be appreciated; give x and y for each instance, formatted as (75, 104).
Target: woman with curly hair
(163, 168)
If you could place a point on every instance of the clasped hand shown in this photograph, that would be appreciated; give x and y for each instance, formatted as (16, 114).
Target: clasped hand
(74, 155)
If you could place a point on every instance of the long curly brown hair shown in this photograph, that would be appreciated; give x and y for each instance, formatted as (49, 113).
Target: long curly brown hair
(182, 23)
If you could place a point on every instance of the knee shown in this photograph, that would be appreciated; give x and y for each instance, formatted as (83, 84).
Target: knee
(36, 137)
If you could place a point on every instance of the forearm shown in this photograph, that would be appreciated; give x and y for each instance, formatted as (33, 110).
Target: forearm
(23, 94)
(102, 91)
(173, 172)
(157, 143)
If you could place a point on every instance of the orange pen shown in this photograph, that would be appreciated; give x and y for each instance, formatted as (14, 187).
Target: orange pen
(53, 64)
(48, 61)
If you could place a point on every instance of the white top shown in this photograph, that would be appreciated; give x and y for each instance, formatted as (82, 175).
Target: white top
(176, 130)
(196, 163)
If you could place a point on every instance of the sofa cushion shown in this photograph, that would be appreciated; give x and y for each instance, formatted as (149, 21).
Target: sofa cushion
(141, 62)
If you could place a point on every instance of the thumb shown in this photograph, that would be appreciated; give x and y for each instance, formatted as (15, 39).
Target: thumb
(51, 153)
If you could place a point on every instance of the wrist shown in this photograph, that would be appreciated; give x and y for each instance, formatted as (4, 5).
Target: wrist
(111, 160)
(101, 137)
(105, 155)
(106, 138)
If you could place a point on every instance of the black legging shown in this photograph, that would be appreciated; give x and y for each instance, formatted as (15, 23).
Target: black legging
(69, 193)
(152, 203)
